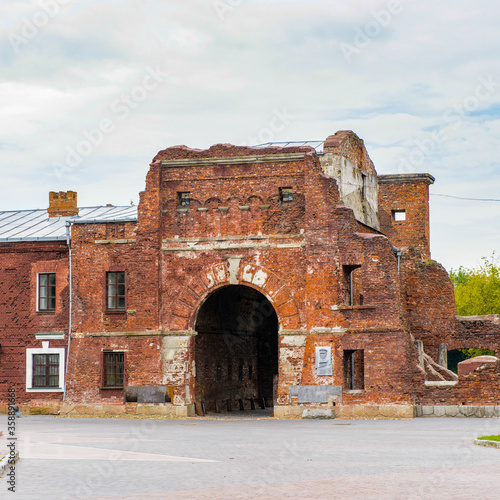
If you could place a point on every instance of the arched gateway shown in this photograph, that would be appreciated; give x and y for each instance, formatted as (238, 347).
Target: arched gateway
(166, 301)
(236, 348)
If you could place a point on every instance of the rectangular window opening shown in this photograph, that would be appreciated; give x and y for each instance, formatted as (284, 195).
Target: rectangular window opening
(115, 290)
(114, 369)
(349, 288)
(399, 215)
(45, 371)
(286, 194)
(364, 187)
(47, 292)
(184, 199)
(354, 370)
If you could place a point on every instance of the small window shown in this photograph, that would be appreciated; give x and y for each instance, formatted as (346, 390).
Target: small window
(364, 187)
(354, 370)
(349, 289)
(399, 215)
(45, 370)
(115, 288)
(286, 195)
(114, 369)
(47, 292)
(184, 199)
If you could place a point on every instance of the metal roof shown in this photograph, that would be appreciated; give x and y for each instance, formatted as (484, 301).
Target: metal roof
(317, 145)
(32, 225)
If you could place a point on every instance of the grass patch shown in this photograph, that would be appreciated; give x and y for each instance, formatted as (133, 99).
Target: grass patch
(490, 438)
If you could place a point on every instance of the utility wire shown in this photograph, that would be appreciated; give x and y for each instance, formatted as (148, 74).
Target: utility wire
(462, 198)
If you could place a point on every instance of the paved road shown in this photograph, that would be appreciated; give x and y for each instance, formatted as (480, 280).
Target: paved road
(125, 459)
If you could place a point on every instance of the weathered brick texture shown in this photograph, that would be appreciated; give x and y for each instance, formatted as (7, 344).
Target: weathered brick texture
(241, 263)
(19, 264)
(408, 193)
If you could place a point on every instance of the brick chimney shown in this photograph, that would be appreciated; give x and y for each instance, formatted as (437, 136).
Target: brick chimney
(62, 204)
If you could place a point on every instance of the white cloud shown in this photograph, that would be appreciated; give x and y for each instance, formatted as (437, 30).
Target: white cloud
(226, 78)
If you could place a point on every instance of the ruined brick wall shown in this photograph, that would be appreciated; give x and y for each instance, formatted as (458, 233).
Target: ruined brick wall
(19, 319)
(271, 222)
(429, 301)
(325, 237)
(386, 380)
(478, 332)
(431, 310)
(347, 144)
(237, 229)
(408, 193)
(480, 387)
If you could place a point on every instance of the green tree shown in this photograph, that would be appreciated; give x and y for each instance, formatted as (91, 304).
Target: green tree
(477, 291)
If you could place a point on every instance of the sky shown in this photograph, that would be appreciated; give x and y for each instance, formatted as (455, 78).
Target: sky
(91, 91)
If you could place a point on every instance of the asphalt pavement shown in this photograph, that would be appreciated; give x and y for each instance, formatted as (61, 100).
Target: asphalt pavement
(204, 458)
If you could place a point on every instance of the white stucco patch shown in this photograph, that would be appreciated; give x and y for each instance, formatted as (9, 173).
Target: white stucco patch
(234, 264)
(210, 280)
(246, 275)
(220, 274)
(259, 278)
(294, 340)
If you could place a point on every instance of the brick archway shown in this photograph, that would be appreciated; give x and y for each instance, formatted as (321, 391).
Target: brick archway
(233, 272)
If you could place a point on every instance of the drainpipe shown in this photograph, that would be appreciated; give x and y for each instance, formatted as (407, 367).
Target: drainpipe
(351, 291)
(70, 279)
(352, 370)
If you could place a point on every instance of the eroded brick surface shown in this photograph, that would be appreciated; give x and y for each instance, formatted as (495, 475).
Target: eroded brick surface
(204, 277)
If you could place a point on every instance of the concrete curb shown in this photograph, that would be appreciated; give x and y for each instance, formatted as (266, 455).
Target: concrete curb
(485, 442)
(457, 411)
(4, 463)
(318, 413)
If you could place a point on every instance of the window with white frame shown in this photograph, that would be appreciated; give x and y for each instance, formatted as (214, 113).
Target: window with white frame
(45, 369)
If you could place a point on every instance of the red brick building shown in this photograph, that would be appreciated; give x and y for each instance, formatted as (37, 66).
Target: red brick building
(284, 275)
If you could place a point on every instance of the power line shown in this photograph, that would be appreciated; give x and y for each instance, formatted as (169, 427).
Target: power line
(462, 198)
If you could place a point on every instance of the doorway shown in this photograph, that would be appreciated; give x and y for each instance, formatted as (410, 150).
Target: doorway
(236, 350)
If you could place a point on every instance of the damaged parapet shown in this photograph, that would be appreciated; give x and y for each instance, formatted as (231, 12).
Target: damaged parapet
(477, 363)
(346, 160)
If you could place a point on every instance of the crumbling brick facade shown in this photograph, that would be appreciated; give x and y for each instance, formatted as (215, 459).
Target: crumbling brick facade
(251, 275)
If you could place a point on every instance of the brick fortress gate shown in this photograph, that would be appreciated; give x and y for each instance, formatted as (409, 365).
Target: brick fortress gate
(269, 275)
(244, 263)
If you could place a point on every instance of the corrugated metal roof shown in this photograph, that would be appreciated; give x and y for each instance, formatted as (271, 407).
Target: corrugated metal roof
(29, 225)
(317, 145)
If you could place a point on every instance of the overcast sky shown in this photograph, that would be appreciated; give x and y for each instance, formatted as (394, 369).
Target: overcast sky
(91, 90)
